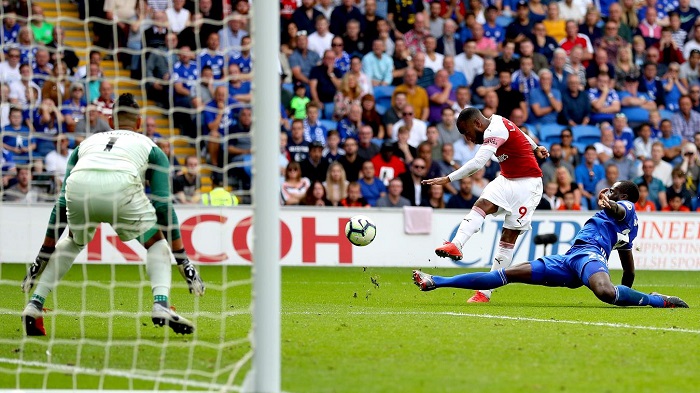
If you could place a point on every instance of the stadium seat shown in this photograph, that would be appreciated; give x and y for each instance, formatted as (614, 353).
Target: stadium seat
(329, 124)
(586, 134)
(550, 133)
(382, 97)
(328, 110)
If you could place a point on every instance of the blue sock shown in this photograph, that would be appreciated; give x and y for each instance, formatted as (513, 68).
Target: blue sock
(629, 297)
(490, 280)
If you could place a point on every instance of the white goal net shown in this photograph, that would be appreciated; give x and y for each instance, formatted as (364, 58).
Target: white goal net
(188, 65)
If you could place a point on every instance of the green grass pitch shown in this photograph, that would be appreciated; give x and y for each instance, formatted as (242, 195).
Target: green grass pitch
(361, 330)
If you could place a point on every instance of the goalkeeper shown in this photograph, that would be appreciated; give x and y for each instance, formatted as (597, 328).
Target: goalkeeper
(104, 183)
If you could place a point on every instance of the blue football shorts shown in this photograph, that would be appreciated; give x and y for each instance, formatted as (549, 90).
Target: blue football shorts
(569, 270)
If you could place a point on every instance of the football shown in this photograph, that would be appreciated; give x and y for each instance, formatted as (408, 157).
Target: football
(360, 230)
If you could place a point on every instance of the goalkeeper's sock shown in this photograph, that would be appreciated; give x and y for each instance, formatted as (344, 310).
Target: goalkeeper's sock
(59, 264)
(46, 252)
(469, 226)
(625, 296)
(490, 280)
(180, 256)
(501, 260)
(159, 270)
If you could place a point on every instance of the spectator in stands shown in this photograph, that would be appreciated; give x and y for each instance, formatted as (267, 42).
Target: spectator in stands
(306, 16)
(354, 39)
(527, 50)
(690, 70)
(10, 68)
(447, 162)
(47, 124)
(42, 30)
(371, 21)
(366, 149)
(10, 27)
(623, 132)
(469, 63)
(642, 144)
(342, 58)
(669, 51)
(371, 187)
(394, 113)
(464, 199)
(349, 126)
(690, 166)
(574, 39)
(211, 57)
(217, 123)
(413, 189)
(363, 80)
(43, 69)
(316, 195)
(371, 117)
(556, 160)
(678, 189)
(18, 89)
(205, 21)
(402, 149)
(325, 79)
(313, 129)
(521, 27)
(662, 169)
(625, 67)
(447, 128)
(314, 167)
(384, 35)
(643, 204)
(303, 60)
(403, 61)
(675, 204)
(635, 103)
(626, 167)
(436, 199)
(600, 64)
(611, 176)
(433, 60)
(17, 139)
(545, 102)
(657, 190)
(351, 162)
(239, 145)
(449, 43)
(348, 94)
(394, 196)
(158, 66)
(441, 96)
(692, 43)
(354, 197)
(426, 76)
(185, 74)
(414, 38)
(435, 19)
(484, 82)
(74, 106)
(336, 183)
(377, 65)
(57, 88)
(543, 43)
(559, 74)
(569, 202)
(297, 146)
(93, 124)
(232, 34)
(673, 87)
(588, 173)
(549, 201)
(605, 102)
(507, 61)
(155, 36)
(152, 128)
(575, 66)
(105, 101)
(417, 128)
(57, 160)
(649, 29)
(203, 90)
(342, 14)
(605, 145)
(671, 142)
(576, 105)
(415, 95)
(22, 191)
(298, 103)
(186, 185)
(611, 41)
(332, 152)
(509, 98)
(294, 187)
(686, 122)
(320, 39)
(565, 185)
(456, 78)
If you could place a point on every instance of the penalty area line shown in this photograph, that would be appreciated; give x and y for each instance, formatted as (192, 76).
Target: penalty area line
(117, 373)
(511, 318)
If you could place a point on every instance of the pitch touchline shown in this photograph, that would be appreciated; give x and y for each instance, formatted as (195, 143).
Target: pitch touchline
(506, 317)
(117, 373)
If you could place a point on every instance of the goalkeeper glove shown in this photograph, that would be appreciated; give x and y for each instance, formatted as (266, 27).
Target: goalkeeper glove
(36, 268)
(189, 273)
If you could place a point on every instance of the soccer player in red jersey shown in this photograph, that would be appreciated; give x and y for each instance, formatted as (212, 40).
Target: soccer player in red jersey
(515, 192)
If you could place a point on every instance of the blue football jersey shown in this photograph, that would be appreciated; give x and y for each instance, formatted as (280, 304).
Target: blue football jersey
(606, 233)
(215, 61)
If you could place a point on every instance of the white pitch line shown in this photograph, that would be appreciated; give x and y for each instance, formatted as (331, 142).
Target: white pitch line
(506, 317)
(117, 373)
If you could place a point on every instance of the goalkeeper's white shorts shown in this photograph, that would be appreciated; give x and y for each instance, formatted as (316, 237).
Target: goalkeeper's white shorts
(116, 198)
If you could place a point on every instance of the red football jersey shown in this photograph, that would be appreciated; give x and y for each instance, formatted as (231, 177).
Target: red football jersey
(512, 149)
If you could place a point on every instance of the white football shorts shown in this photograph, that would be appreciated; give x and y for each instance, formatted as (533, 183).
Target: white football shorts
(517, 198)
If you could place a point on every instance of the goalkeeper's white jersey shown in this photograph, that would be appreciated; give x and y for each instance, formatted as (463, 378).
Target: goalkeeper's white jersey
(119, 150)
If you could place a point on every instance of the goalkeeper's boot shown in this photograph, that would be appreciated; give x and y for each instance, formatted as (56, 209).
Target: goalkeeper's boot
(35, 269)
(671, 301)
(478, 297)
(162, 316)
(191, 276)
(424, 281)
(33, 320)
(449, 250)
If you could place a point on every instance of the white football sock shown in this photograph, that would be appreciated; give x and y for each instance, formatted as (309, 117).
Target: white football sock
(60, 262)
(158, 267)
(469, 226)
(502, 259)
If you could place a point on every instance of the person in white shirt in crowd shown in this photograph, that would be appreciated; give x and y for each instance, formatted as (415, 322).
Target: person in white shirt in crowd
(469, 63)
(178, 16)
(417, 128)
(320, 40)
(57, 160)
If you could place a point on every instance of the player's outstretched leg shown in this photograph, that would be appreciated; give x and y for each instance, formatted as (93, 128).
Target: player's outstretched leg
(490, 280)
(623, 296)
(468, 227)
(160, 273)
(59, 264)
(502, 260)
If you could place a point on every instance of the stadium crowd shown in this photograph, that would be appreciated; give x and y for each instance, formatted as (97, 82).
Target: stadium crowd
(370, 93)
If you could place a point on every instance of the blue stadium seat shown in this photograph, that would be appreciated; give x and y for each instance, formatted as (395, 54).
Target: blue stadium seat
(328, 110)
(329, 124)
(550, 133)
(382, 97)
(586, 134)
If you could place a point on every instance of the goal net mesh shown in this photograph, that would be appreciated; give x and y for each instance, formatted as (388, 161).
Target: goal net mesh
(192, 85)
